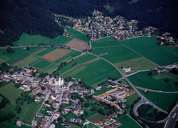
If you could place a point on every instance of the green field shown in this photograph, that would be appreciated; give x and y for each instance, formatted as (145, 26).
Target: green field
(11, 124)
(149, 48)
(95, 116)
(130, 101)
(94, 73)
(128, 122)
(40, 64)
(69, 56)
(76, 63)
(104, 42)
(139, 63)
(28, 110)
(45, 51)
(163, 100)
(166, 83)
(16, 55)
(86, 66)
(76, 34)
(34, 58)
(27, 39)
(139, 53)
(90, 125)
(10, 92)
(50, 67)
(114, 51)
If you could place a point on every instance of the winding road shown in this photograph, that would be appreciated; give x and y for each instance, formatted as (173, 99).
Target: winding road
(172, 118)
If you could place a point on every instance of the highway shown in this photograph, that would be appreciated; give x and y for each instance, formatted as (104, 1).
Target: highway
(172, 118)
(136, 113)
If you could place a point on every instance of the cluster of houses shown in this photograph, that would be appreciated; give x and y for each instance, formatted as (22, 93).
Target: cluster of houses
(108, 122)
(116, 97)
(173, 68)
(50, 91)
(167, 39)
(98, 26)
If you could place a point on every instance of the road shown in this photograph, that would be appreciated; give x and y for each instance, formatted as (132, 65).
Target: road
(130, 83)
(156, 91)
(46, 98)
(172, 118)
(123, 75)
(139, 104)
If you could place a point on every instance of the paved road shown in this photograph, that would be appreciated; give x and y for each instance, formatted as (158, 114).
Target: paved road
(123, 75)
(156, 91)
(172, 118)
(130, 83)
(136, 113)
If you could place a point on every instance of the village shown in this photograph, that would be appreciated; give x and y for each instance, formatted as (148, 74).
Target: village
(98, 26)
(52, 92)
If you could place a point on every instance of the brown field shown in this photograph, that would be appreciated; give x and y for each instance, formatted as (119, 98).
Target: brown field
(56, 54)
(78, 44)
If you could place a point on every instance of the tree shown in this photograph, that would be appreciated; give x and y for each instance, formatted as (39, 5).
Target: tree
(4, 67)
(150, 73)
(18, 108)
(27, 48)
(9, 50)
